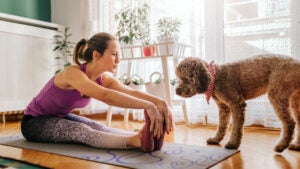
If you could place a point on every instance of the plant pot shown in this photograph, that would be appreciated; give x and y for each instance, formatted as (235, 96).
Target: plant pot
(129, 51)
(149, 51)
(126, 52)
(167, 46)
(166, 49)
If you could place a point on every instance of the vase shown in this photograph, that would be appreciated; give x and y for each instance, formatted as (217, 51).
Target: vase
(132, 50)
(167, 45)
(149, 51)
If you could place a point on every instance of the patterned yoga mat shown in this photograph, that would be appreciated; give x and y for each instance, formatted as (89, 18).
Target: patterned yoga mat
(172, 155)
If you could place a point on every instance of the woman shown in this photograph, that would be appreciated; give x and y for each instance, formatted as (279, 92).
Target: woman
(48, 116)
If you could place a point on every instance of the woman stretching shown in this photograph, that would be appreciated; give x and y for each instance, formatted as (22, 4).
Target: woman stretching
(48, 116)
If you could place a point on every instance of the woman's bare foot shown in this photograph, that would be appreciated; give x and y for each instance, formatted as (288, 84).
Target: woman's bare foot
(133, 142)
(146, 137)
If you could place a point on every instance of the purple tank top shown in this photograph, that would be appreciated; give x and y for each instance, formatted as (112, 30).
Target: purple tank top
(54, 101)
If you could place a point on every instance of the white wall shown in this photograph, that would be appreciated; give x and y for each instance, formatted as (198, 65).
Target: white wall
(68, 13)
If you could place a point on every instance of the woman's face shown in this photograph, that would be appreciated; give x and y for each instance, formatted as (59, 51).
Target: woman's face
(110, 58)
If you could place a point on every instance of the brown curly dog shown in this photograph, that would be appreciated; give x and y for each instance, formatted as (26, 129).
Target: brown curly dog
(230, 85)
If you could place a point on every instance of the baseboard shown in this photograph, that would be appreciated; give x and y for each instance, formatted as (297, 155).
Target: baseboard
(103, 115)
(18, 114)
(15, 115)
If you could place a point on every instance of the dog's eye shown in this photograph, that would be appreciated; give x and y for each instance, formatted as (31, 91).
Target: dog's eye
(184, 80)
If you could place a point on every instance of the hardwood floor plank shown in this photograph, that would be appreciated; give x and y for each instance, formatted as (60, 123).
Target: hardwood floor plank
(256, 150)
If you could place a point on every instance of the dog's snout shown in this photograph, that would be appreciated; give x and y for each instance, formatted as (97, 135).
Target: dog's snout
(178, 91)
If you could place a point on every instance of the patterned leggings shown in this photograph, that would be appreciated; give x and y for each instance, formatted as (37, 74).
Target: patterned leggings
(73, 129)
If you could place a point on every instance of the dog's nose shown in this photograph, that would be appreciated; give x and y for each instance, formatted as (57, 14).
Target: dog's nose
(178, 91)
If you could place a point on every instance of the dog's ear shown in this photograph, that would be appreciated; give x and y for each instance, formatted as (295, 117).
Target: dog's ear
(203, 77)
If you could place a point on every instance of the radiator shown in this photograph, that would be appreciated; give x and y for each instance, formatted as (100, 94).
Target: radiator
(26, 60)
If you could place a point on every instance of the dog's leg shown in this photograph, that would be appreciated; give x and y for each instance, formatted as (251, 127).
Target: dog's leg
(224, 114)
(238, 118)
(295, 107)
(281, 108)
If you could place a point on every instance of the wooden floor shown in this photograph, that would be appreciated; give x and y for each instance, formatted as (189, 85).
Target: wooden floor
(256, 151)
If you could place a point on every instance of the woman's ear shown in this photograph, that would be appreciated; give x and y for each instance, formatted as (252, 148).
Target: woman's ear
(203, 77)
(96, 54)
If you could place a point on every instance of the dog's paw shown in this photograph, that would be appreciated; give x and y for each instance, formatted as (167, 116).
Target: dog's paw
(279, 148)
(212, 141)
(230, 145)
(295, 147)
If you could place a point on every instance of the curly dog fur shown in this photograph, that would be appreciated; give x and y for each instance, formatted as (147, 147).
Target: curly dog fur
(236, 82)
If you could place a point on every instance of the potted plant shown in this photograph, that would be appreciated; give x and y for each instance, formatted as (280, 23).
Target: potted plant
(135, 81)
(149, 50)
(168, 28)
(125, 79)
(64, 48)
(174, 84)
(133, 26)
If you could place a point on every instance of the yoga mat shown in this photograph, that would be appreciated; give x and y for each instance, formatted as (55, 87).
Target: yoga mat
(171, 155)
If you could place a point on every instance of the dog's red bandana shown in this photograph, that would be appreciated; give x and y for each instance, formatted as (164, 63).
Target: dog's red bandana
(211, 70)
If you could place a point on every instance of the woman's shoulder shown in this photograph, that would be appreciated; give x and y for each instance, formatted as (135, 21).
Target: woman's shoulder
(72, 69)
(107, 78)
(70, 73)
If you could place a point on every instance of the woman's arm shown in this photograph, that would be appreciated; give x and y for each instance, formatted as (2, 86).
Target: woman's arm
(162, 105)
(74, 77)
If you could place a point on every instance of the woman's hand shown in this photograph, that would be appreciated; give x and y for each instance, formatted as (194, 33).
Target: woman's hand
(167, 114)
(156, 120)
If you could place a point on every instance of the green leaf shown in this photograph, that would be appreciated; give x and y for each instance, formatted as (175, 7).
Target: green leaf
(63, 47)
(57, 71)
(67, 64)
(55, 48)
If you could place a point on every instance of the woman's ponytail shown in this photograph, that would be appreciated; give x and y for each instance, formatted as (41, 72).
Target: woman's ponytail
(83, 50)
(79, 51)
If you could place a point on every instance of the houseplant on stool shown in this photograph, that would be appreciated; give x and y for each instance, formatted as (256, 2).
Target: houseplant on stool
(168, 28)
(132, 28)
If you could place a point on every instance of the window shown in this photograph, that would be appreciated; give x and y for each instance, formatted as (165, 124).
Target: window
(223, 31)
(256, 27)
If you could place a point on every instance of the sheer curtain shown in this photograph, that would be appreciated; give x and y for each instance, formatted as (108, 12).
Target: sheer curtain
(257, 27)
(223, 31)
(191, 32)
(96, 16)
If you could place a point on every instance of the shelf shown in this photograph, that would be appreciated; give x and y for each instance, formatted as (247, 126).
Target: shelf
(157, 50)
(160, 51)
